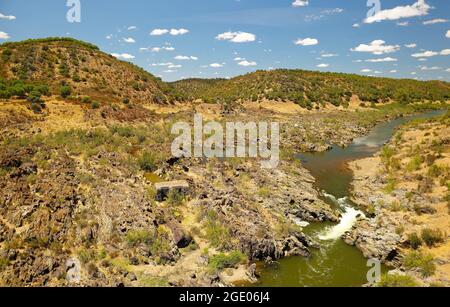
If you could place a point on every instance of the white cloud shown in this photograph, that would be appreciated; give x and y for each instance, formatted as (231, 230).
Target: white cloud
(185, 58)
(388, 59)
(356, 25)
(323, 65)
(215, 65)
(307, 42)
(329, 55)
(158, 32)
(129, 40)
(109, 36)
(434, 21)
(393, 71)
(447, 70)
(376, 47)
(448, 34)
(174, 66)
(181, 31)
(162, 64)
(130, 28)
(411, 45)
(247, 63)
(366, 70)
(430, 68)
(413, 73)
(237, 37)
(4, 35)
(425, 54)
(157, 49)
(239, 59)
(357, 61)
(10, 17)
(420, 8)
(403, 24)
(123, 56)
(300, 3)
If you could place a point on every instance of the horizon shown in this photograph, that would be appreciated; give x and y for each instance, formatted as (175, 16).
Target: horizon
(402, 39)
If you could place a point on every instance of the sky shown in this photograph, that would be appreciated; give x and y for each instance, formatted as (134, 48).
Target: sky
(177, 39)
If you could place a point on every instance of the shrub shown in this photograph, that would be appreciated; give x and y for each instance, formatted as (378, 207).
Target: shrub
(95, 105)
(414, 240)
(396, 280)
(222, 261)
(216, 233)
(431, 237)
(136, 237)
(86, 99)
(417, 260)
(147, 162)
(65, 91)
(175, 198)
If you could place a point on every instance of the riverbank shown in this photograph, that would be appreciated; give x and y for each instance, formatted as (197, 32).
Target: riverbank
(404, 190)
(92, 175)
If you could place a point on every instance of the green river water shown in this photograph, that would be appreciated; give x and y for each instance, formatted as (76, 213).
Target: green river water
(336, 264)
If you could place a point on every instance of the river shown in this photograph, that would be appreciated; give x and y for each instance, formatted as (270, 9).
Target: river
(335, 264)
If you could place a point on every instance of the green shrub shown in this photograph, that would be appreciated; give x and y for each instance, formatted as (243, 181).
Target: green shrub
(65, 91)
(86, 99)
(95, 105)
(414, 240)
(431, 237)
(136, 237)
(217, 234)
(417, 260)
(222, 261)
(175, 198)
(148, 161)
(397, 281)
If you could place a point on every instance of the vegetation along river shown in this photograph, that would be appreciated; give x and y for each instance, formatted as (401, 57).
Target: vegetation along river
(336, 263)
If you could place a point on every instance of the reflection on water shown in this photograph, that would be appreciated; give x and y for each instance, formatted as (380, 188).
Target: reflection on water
(336, 263)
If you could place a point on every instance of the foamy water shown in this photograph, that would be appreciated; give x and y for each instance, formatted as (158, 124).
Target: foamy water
(348, 219)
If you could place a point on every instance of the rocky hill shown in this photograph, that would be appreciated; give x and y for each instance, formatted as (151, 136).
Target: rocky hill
(310, 89)
(82, 67)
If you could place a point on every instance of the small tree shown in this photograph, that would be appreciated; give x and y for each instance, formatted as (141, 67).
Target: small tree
(65, 91)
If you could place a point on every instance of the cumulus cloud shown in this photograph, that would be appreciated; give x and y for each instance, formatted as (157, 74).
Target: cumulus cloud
(420, 8)
(434, 21)
(109, 36)
(237, 37)
(215, 65)
(158, 32)
(403, 24)
(448, 34)
(4, 35)
(411, 45)
(356, 25)
(428, 53)
(185, 58)
(123, 56)
(247, 63)
(393, 71)
(388, 59)
(365, 70)
(129, 40)
(300, 3)
(307, 42)
(130, 28)
(376, 47)
(176, 32)
(10, 17)
(323, 65)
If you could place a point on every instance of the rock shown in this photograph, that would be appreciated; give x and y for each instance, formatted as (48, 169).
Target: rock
(164, 188)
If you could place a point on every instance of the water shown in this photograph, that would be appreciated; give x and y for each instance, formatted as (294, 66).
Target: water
(336, 264)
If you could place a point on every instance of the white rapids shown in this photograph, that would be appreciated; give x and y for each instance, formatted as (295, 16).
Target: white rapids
(348, 219)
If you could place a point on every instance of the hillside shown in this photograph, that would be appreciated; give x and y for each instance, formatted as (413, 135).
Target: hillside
(308, 88)
(83, 68)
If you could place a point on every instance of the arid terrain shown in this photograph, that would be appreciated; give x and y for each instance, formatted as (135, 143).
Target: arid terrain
(82, 147)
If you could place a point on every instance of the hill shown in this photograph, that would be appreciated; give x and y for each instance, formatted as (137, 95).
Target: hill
(81, 70)
(309, 88)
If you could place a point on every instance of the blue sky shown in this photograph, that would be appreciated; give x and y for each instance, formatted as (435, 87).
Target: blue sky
(225, 38)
